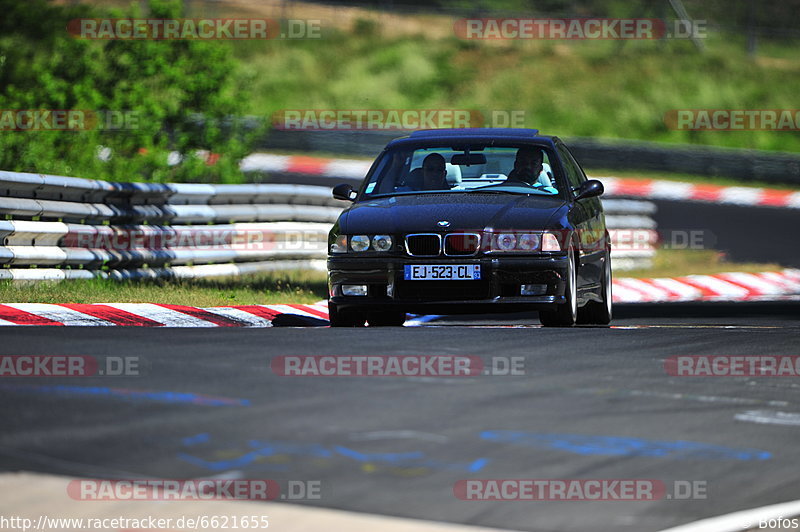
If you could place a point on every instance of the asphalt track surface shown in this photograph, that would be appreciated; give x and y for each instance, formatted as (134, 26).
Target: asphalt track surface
(593, 403)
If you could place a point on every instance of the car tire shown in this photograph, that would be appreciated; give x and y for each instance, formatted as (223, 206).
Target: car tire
(344, 318)
(565, 314)
(389, 318)
(595, 312)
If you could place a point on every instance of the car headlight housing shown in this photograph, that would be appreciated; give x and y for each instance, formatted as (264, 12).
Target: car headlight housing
(524, 242)
(339, 245)
(359, 242)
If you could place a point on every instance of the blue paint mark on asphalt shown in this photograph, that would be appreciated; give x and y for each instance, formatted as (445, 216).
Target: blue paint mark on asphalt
(610, 445)
(125, 393)
(221, 465)
(196, 439)
(392, 458)
(477, 465)
(309, 449)
(262, 449)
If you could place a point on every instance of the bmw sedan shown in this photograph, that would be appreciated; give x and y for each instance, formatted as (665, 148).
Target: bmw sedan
(454, 221)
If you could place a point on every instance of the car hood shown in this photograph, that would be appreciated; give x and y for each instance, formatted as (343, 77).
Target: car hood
(469, 211)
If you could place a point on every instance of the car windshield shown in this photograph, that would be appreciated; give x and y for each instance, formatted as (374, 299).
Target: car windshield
(421, 170)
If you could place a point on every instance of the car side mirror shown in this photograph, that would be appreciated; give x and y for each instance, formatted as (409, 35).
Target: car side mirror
(344, 191)
(590, 189)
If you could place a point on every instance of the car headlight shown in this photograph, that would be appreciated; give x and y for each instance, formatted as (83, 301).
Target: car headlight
(528, 242)
(340, 245)
(524, 242)
(359, 242)
(382, 242)
(506, 241)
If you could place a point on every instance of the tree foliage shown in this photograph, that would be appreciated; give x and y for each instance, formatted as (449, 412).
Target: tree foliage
(161, 87)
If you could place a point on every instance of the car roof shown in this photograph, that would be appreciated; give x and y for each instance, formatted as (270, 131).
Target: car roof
(475, 132)
(483, 135)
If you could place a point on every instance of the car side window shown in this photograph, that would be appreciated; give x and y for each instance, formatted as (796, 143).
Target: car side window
(575, 176)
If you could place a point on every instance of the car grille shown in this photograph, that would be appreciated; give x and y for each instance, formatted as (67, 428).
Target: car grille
(424, 245)
(461, 244)
(442, 290)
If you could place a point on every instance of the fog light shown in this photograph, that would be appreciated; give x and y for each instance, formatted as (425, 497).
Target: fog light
(533, 289)
(354, 289)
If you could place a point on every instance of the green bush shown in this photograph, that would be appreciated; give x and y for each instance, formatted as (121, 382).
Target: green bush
(162, 84)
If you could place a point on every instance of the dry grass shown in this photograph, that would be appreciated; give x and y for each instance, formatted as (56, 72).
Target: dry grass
(256, 289)
(675, 263)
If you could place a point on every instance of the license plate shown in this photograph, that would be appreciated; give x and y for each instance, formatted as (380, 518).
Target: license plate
(442, 272)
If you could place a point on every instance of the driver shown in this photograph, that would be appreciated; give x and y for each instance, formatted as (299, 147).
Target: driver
(434, 173)
(527, 166)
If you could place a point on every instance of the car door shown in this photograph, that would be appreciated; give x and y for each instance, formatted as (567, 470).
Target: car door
(586, 215)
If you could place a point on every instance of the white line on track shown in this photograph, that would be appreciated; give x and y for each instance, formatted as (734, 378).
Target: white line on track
(416, 321)
(769, 417)
(739, 521)
(398, 435)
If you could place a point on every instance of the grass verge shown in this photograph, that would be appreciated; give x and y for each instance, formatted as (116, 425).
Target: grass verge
(296, 286)
(257, 289)
(675, 263)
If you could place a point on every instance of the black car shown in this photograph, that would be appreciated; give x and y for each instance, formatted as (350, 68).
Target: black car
(452, 221)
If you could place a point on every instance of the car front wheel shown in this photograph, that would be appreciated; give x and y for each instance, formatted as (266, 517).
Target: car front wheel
(599, 312)
(344, 318)
(390, 318)
(565, 314)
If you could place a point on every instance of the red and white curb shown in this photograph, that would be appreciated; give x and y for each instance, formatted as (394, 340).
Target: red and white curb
(614, 186)
(734, 286)
(657, 189)
(297, 164)
(151, 315)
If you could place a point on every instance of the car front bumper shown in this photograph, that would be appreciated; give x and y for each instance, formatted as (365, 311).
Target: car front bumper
(498, 290)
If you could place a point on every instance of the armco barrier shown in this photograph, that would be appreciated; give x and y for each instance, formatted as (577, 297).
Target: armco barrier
(323, 171)
(762, 166)
(60, 228)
